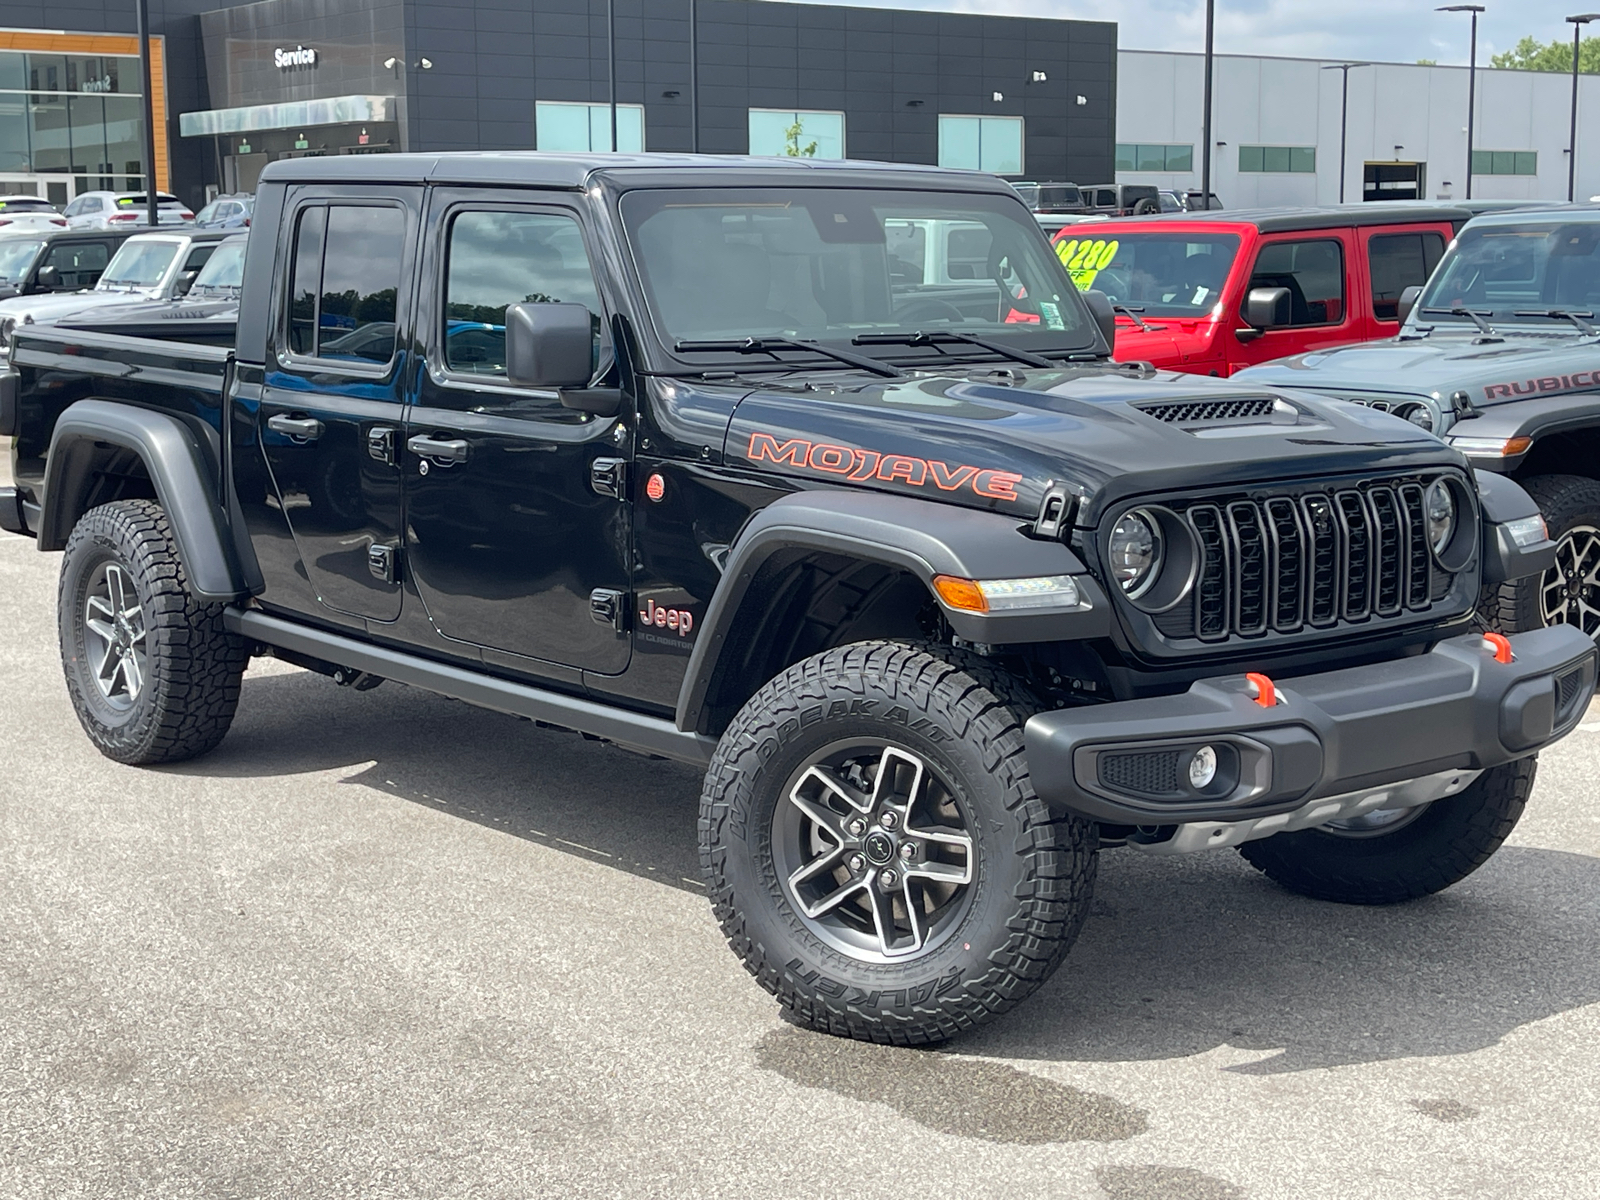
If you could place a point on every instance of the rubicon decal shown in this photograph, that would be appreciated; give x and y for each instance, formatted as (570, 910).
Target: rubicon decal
(859, 466)
(679, 620)
(1576, 382)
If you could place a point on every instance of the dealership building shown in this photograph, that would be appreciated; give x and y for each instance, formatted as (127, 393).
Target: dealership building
(236, 87)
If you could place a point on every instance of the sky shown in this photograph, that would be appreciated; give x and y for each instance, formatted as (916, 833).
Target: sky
(1364, 30)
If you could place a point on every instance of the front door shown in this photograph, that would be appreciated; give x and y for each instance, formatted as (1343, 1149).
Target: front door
(1315, 270)
(331, 402)
(509, 526)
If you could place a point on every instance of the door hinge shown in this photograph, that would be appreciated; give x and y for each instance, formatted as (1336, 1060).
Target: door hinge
(384, 562)
(609, 477)
(380, 444)
(608, 606)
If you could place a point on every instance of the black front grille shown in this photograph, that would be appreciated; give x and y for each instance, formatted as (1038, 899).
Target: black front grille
(1288, 563)
(1207, 412)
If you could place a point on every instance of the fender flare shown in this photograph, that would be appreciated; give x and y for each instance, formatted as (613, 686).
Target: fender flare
(1567, 412)
(924, 539)
(179, 470)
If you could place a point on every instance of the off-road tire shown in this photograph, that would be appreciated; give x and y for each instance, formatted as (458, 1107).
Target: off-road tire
(1567, 502)
(1450, 840)
(193, 664)
(1034, 869)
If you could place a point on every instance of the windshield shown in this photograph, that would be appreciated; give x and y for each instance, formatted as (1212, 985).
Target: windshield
(1501, 270)
(139, 264)
(851, 267)
(1154, 274)
(16, 256)
(223, 270)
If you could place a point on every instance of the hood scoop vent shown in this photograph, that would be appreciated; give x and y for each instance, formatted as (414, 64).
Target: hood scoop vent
(1237, 410)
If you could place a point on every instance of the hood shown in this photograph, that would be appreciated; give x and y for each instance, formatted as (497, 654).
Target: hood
(1169, 342)
(1103, 433)
(1441, 365)
(50, 307)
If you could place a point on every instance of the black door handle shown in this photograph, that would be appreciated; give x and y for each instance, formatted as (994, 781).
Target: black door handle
(299, 429)
(442, 450)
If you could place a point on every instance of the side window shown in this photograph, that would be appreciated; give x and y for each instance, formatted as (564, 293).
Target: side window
(72, 209)
(497, 259)
(1105, 198)
(93, 204)
(1397, 261)
(80, 263)
(1313, 271)
(345, 282)
(198, 256)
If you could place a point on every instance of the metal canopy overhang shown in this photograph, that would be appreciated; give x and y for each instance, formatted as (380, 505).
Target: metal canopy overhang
(293, 114)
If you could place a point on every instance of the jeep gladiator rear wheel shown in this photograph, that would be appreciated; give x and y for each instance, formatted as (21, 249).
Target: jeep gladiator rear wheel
(151, 672)
(1398, 855)
(874, 849)
(1569, 592)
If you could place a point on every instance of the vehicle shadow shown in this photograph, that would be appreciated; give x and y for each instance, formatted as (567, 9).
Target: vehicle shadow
(1181, 956)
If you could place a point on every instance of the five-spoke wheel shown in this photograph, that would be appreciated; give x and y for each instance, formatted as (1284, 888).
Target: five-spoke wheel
(874, 850)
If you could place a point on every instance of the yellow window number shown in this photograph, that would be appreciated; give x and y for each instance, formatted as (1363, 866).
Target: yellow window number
(1084, 258)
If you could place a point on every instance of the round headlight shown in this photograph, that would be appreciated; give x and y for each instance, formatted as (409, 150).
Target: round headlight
(1439, 510)
(1422, 417)
(1135, 552)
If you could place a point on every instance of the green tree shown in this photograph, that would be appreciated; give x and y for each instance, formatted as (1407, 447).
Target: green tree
(1427, 62)
(792, 146)
(1529, 55)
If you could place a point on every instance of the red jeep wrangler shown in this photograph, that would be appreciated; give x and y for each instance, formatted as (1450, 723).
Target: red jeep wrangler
(1213, 293)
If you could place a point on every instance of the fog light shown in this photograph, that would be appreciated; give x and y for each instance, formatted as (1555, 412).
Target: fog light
(1202, 768)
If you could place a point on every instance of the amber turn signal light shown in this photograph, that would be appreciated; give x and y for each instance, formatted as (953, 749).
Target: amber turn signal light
(962, 594)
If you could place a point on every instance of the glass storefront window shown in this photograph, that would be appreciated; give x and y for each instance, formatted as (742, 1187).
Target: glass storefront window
(559, 125)
(70, 116)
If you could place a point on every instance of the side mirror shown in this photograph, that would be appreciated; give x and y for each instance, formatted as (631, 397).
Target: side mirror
(1408, 301)
(1269, 308)
(49, 279)
(184, 282)
(1104, 316)
(549, 345)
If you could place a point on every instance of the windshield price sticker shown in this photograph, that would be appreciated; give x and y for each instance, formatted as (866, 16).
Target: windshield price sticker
(1084, 258)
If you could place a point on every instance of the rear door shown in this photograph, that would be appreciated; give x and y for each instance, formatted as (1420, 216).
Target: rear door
(1397, 257)
(516, 506)
(79, 261)
(331, 399)
(1316, 270)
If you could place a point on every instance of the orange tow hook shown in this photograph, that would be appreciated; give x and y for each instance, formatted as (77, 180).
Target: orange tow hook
(1266, 694)
(1501, 645)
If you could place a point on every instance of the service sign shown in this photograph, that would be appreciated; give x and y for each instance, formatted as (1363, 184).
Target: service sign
(300, 56)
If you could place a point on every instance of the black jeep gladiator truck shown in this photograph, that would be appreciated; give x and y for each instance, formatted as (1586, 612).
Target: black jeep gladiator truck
(1499, 354)
(701, 457)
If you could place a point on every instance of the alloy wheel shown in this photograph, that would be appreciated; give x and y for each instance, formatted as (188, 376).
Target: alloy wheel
(1569, 592)
(114, 625)
(874, 851)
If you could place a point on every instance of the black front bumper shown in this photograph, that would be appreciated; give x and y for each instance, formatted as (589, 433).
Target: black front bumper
(1453, 708)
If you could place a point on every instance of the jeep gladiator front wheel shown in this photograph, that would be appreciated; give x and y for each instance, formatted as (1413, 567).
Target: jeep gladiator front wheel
(874, 849)
(1389, 856)
(152, 674)
(1569, 592)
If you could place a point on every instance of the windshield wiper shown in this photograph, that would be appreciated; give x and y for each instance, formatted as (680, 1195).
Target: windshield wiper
(768, 345)
(1459, 310)
(1132, 313)
(1561, 314)
(947, 335)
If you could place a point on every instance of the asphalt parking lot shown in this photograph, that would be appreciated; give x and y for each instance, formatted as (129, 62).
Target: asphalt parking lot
(385, 945)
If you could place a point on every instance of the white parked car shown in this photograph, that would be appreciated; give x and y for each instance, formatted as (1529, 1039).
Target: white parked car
(29, 214)
(116, 210)
(147, 267)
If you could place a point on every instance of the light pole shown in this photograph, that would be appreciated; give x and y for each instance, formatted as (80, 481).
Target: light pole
(1344, 112)
(611, 55)
(153, 209)
(1472, 77)
(1577, 22)
(1205, 158)
(694, 76)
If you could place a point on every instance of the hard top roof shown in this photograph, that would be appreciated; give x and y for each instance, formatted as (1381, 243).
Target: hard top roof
(1567, 214)
(533, 168)
(1328, 216)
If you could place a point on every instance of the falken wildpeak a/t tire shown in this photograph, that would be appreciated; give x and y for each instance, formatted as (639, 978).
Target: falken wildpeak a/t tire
(1446, 842)
(152, 673)
(903, 767)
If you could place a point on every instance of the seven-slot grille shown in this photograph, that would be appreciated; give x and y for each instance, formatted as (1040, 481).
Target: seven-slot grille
(1288, 563)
